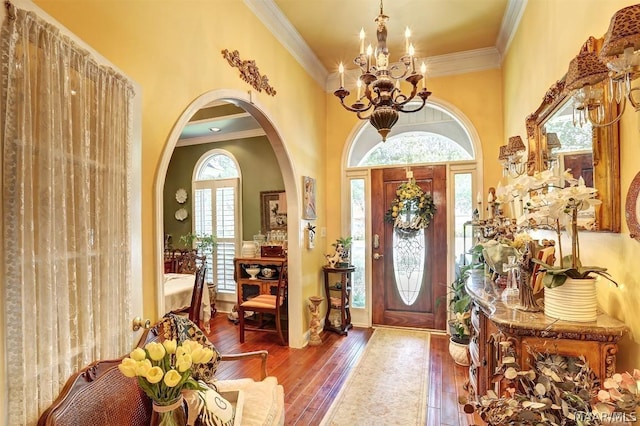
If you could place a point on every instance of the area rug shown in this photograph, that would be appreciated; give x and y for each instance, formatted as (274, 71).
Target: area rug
(389, 384)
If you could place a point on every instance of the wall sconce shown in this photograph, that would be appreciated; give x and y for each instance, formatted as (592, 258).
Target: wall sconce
(618, 63)
(551, 158)
(511, 157)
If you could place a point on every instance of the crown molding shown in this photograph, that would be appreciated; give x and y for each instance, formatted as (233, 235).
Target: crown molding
(456, 63)
(510, 23)
(246, 134)
(275, 21)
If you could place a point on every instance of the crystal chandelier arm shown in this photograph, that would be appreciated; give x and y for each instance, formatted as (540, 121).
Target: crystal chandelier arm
(592, 115)
(634, 103)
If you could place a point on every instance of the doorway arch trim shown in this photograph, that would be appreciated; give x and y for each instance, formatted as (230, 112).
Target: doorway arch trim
(248, 102)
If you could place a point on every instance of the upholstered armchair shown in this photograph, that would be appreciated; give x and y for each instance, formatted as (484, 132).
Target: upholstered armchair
(100, 395)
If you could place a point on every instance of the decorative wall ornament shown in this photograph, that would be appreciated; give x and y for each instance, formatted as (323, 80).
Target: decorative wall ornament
(249, 72)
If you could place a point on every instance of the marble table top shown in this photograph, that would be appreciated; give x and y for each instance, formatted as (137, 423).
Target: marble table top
(486, 294)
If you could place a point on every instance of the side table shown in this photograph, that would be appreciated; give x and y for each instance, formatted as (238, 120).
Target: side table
(337, 286)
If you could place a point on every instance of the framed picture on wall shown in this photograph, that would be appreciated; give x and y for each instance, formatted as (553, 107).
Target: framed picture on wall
(273, 210)
(309, 198)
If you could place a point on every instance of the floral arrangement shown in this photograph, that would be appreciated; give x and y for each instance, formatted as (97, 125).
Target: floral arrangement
(558, 390)
(411, 209)
(164, 369)
(552, 206)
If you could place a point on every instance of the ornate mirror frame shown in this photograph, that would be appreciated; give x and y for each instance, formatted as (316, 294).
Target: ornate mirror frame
(631, 208)
(606, 156)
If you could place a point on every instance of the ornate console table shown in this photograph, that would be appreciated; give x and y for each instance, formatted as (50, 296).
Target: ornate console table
(495, 326)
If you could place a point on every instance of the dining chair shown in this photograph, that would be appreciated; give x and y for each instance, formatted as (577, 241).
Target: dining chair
(196, 297)
(272, 304)
(189, 262)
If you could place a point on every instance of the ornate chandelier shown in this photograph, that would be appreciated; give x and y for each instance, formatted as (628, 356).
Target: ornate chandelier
(382, 98)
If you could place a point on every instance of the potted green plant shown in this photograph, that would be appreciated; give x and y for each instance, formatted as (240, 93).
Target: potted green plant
(460, 305)
(460, 323)
(343, 244)
(203, 243)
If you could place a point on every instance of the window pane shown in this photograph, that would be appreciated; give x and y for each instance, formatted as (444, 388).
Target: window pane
(463, 209)
(409, 254)
(225, 212)
(415, 147)
(358, 212)
(218, 166)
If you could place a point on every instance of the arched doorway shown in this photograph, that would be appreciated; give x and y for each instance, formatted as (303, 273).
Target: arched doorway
(266, 120)
(439, 136)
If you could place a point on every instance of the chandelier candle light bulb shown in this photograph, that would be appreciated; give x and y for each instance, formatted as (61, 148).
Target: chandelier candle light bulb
(341, 71)
(407, 35)
(362, 41)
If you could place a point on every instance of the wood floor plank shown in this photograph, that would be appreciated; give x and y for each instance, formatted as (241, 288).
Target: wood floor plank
(313, 376)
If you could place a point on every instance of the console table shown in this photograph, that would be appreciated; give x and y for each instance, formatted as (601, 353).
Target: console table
(495, 325)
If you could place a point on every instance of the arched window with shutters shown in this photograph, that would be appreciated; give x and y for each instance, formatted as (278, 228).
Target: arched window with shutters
(216, 183)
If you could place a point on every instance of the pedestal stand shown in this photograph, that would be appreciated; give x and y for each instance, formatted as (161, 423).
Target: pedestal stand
(315, 328)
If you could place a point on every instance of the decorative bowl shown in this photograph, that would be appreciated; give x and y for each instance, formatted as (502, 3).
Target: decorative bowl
(268, 272)
(253, 272)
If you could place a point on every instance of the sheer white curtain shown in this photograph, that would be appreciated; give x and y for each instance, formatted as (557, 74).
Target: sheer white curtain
(65, 134)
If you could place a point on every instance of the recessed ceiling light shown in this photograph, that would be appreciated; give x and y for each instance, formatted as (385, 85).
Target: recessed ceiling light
(215, 129)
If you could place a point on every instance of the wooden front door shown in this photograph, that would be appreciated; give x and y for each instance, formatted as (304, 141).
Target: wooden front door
(408, 274)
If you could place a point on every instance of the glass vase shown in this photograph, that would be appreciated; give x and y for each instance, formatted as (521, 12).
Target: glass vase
(170, 413)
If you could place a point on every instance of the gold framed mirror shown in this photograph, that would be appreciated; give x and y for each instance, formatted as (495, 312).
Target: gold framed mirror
(545, 133)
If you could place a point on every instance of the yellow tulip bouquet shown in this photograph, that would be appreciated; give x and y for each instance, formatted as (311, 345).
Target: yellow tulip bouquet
(164, 369)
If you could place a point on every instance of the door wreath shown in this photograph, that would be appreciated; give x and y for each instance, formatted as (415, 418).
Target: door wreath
(411, 210)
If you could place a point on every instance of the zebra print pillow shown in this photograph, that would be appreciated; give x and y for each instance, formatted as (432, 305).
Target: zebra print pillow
(208, 408)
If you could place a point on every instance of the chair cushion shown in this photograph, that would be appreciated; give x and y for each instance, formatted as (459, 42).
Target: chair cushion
(262, 301)
(263, 401)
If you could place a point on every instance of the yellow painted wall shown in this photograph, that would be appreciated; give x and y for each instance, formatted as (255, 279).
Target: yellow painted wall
(550, 35)
(477, 95)
(172, 49)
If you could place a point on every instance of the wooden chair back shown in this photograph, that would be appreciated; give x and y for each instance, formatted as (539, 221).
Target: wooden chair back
(189, 262)
(99, 395)
(274, 304)
(196, 296)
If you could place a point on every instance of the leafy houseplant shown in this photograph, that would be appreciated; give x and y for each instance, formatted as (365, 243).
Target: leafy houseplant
(460, 305)
(345, 242)
(204, 243)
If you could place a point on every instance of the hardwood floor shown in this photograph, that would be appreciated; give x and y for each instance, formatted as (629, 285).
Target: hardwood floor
(312, 376)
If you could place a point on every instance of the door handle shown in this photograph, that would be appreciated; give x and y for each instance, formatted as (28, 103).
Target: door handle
(377, 256)
(139, 323)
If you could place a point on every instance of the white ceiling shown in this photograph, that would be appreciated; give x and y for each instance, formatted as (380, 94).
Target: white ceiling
(451, 36)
